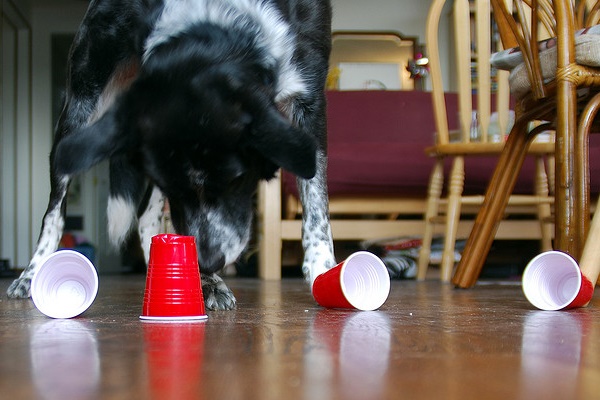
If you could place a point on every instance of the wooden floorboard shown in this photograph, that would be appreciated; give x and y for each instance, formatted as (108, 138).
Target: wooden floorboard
(428, 341)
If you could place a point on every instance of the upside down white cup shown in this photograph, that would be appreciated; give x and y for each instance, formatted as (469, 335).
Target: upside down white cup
(361, 282)
(552, 280)
(65, 285)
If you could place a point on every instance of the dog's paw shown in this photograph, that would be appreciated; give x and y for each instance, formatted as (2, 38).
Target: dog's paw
(20, 288)
(217, 296)
(317, 260)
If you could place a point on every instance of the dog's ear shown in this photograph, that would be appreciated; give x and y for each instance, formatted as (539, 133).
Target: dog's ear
(87, 146)
(272, 134)
(287, 146)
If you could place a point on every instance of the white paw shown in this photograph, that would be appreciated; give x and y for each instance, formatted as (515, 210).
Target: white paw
(20, 288)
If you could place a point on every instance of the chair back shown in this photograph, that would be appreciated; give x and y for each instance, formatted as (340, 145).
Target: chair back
(483, 93)
(526, 25)
(531, 27)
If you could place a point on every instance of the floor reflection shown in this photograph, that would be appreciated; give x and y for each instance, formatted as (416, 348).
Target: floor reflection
(65, 359)
(551, 350)
(351, 349)
(174, 354)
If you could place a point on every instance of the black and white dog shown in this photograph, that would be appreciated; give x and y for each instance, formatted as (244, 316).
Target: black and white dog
(199, 100)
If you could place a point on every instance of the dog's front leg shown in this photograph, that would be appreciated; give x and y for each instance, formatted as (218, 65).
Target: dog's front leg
(50, 234)
(317, 240)
(150, 221)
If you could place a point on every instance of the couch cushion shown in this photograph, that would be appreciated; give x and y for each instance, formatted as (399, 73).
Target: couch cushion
(377, 141)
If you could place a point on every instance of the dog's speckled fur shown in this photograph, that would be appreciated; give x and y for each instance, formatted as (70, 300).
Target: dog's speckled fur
(198, 99)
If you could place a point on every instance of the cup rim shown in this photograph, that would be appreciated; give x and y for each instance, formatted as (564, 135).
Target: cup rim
(82, 261)
(382, 295)
(172, 238)
(195, 318)
(529, 289)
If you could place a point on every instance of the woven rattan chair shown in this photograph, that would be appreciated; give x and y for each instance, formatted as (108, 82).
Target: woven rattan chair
(560, 86)
(472, 46)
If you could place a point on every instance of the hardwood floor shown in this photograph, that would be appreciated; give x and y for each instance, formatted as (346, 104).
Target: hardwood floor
(429, 341)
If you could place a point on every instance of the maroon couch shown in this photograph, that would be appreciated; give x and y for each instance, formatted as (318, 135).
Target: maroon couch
(377, 141)
(378, 172)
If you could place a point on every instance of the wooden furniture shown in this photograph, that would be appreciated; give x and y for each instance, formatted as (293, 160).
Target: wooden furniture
(552, 95)
(483, 123)
(377, 175)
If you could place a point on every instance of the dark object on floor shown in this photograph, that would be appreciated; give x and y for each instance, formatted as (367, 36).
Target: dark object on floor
(5, 270)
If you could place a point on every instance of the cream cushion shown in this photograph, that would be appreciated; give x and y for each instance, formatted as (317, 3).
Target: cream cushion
(587, 52)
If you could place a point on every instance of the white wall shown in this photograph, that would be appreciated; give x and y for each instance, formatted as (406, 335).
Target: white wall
(406, 17)
(15, 131)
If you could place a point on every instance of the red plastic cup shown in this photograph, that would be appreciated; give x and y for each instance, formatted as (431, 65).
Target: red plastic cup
(553, 281)
(360, 282)
(173, 288)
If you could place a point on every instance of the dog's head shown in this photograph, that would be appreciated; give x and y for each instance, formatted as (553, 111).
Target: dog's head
(206, 127)
(223, 108)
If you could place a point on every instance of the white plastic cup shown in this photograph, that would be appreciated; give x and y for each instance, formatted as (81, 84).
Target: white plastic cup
(360, 282)
(65, 285)
(551, 280)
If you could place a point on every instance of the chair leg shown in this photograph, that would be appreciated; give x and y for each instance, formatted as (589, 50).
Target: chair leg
(492, 210)
(269, 225)
(581, 168)
(436, 182)
(550, 171)
(456, 185)
(567, 219)
(544, 210)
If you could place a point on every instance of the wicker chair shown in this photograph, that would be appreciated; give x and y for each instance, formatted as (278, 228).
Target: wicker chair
(552, 95)
(472, 20)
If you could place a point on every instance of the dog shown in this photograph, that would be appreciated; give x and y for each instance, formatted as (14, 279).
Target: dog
(195, 102)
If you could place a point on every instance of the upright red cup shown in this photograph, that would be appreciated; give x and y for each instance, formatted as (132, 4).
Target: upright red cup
(361, 282)
(173, 288)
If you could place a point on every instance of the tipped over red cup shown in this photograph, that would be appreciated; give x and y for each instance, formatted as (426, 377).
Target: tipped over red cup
(173, 287)
(360, 282)
(553, 281)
